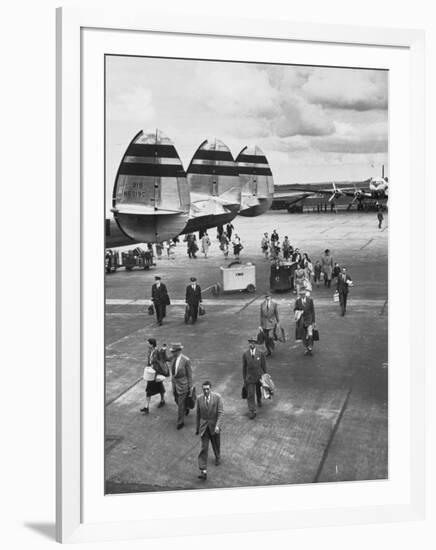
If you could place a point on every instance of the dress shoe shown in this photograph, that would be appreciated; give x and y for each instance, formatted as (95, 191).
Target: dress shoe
(203, 475)
(252, 416)
(144, 410)
(180, 426)
(217, 461)
(161, 404)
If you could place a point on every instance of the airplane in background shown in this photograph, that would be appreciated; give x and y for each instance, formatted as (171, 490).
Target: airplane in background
(375, 189)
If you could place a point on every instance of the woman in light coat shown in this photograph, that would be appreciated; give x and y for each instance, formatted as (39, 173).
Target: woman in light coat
(205, 244)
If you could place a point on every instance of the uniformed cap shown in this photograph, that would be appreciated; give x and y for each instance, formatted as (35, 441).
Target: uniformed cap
(157, 277)
(251, 339)
(193, 279)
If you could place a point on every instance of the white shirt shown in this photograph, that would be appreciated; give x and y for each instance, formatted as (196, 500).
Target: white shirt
(176, 366)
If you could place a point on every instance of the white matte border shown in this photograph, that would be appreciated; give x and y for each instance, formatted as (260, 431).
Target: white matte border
(366, 501)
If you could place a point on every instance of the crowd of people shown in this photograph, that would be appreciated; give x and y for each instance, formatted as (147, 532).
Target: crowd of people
(256, 382)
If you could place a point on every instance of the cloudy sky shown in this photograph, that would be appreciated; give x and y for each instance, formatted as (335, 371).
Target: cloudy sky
(314, 124)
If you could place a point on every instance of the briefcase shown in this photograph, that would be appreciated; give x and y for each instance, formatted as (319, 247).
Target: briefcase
(151, 309)
(191, 399)
(315, 335)
(201, 310)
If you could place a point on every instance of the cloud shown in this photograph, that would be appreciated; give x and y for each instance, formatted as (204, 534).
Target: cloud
(356, 144)
(297, 117)
(355, 89)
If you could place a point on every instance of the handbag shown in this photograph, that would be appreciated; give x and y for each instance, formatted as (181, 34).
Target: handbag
(315, 335)
(149, 374)
(201, 310)
(191, 399)
(187, 313)
(151, 309)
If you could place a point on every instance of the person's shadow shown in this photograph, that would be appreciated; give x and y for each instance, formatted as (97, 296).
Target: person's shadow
(48, 530)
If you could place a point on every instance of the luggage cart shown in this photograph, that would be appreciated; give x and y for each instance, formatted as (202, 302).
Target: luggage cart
(282, 276)
(236, 276)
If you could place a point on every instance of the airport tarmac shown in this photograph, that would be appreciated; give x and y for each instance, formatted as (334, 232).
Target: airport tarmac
(329, 418)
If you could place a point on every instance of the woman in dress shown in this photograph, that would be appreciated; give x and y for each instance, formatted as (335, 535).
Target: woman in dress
(156, 358)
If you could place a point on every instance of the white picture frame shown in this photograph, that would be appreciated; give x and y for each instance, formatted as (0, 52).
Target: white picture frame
(72, 228)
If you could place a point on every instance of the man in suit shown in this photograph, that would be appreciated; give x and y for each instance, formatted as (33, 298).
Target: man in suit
(305, 317)
(253, 366)
(160, 299)
(344, 281)
(181, 380)
(193, 299)
(209, 417)
(269, 317)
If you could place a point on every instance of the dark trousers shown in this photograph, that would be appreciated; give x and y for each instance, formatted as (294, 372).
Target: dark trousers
(308, 337)
(180, 399)
(269, 342)
(193, 312)
(343, 301)
(216, 446)
(253, 392)
(160, 312)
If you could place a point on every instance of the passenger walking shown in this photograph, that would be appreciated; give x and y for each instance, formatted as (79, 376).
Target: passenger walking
(159, 247)
(193, 299)
(304, 311)
(264, 245)
(181, 381)
(317, 273)
(210, 412)
(274, 236)
(229, 230)
(299, 279)
(205, 244)
(237, 246)
(156, 358)
(327, 267)
(286, 247)
(269, 317)
(160, 299)
(253, 366)
(342, 286)
(224, 245)
(336, 271)
(380, 218)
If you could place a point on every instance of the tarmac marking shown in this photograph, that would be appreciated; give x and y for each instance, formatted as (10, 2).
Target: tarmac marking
(123, 392)
(248, 303)
(366, 244)
(332, 435)
(244, 304)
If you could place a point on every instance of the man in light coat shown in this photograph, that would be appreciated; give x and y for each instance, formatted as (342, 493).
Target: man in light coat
(181, 380)
(209, 418)
(269, 317)
(253, 366)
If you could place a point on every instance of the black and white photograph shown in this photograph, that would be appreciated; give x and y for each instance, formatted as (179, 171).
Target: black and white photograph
(246, 274)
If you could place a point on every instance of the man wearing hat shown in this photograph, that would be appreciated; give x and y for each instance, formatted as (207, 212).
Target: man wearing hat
(253, 366)
(305, 317)
(181, 380)
(193, 299)
(269, 317)
(160, 299)
(344, 281)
